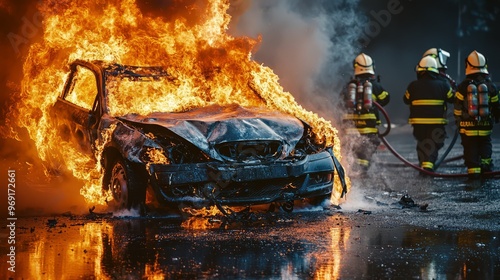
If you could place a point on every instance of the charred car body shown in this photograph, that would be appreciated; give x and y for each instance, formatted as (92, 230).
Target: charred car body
(224, 156)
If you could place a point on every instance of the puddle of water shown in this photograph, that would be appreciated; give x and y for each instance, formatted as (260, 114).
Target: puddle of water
(338, 246)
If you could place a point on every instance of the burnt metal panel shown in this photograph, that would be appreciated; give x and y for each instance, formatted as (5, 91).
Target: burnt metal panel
(206, 127)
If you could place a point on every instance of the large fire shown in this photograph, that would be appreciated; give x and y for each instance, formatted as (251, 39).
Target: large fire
(190, 41)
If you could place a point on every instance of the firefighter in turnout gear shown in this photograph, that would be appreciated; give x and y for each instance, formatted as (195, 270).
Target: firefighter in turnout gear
(441, 56)
(361, 116)
(427, 97)
(476, 108)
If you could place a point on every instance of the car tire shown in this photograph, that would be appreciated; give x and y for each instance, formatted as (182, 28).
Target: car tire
(126, 185)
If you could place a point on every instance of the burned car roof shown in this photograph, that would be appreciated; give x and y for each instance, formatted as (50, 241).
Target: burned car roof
(115, 69)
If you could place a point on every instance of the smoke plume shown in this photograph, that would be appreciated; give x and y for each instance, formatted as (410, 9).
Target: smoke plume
(309, 44)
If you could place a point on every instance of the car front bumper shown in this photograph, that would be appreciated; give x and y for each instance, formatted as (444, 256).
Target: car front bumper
(235, 184)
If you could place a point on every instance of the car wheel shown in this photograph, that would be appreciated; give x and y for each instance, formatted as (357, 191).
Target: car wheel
(287, 206)
(126, 186)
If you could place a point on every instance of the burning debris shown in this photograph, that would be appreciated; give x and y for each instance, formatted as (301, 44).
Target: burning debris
(51, 223)
(105, 120)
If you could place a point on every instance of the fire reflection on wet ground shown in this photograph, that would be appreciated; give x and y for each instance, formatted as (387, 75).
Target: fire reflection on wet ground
(332, 245)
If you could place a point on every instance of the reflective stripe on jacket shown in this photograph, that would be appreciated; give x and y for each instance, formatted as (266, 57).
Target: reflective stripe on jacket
(427, 97)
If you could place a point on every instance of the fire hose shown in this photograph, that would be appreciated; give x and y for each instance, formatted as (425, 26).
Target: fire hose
(438, 162)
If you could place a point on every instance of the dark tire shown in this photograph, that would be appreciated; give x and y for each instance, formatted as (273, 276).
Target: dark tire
(126, 185)
(287, 206)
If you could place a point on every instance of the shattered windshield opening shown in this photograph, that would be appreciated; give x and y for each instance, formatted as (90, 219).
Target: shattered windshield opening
(142, 90)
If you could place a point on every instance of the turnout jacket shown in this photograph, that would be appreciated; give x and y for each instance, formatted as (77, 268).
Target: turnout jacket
(365, 121)
(470, 125)
(427, 97)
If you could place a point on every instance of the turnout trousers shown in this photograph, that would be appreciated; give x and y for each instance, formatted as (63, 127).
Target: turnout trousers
(477, 153)
(430, 138)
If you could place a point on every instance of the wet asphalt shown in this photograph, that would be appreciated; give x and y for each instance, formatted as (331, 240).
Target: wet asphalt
(447, 228)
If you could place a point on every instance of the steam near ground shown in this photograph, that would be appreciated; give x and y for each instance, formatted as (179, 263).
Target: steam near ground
(309, 44)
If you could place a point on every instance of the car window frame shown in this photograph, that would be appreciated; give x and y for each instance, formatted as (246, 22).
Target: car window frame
(70, 83)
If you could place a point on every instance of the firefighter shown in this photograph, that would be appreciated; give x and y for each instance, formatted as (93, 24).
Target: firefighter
(427, 97)
(361, 118)
(476, 108)
(441, 56)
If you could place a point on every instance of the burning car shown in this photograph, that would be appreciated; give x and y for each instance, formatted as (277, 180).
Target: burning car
(229, 155)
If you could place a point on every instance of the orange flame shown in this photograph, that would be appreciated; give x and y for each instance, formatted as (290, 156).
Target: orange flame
(199, 218)
(206, 66)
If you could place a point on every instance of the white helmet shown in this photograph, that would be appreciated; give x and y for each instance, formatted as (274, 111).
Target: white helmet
(363, 64)
(475, 63)
(427, 63)
(440, 55)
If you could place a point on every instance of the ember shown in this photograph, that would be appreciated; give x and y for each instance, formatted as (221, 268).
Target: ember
(205, 66)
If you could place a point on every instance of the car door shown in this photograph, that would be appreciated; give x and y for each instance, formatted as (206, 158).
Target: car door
(76, 108)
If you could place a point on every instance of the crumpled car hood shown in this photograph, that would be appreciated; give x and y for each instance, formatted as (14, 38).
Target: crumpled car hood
(208, 126)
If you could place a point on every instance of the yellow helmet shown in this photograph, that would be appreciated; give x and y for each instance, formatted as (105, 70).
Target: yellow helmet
(427, 63)
(475, 63)
(363, 64)
(440, 55)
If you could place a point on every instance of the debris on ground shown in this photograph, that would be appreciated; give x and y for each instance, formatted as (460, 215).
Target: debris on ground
(94, 215)
(407, 202)
(365, 212)
(51, 223)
